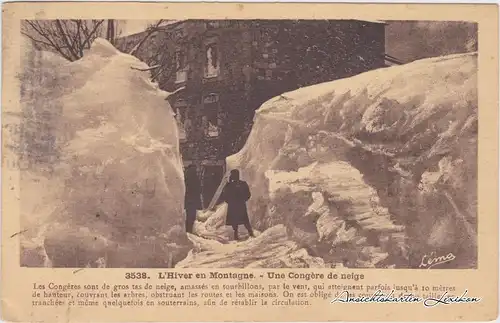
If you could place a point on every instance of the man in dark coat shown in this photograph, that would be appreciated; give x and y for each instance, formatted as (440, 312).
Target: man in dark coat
(192, 198)
(236, 193)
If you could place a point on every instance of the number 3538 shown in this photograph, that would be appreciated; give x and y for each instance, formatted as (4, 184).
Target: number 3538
(136, 275)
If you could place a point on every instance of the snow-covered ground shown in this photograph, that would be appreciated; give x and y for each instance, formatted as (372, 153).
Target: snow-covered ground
(375, 170)
(102, 181)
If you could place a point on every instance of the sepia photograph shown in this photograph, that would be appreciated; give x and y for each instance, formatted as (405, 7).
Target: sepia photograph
(247, 143)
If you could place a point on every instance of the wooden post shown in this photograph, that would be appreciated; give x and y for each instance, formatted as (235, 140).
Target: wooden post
(217, 194)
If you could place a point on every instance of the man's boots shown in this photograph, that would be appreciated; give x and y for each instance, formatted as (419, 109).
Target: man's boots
(250, 230)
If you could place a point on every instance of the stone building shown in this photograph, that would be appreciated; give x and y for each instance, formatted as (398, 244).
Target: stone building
(225, 69)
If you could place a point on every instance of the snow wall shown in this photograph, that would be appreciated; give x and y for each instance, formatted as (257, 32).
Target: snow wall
(375, 170)
(102, 181)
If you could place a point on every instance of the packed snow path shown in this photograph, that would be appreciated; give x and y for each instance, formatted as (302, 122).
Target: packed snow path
(214, 247)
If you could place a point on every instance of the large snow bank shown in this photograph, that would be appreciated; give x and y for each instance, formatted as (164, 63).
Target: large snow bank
(373, 170)
(102, 181)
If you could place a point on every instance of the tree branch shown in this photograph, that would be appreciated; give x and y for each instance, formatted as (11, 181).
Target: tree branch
(65, 39)
(76, 38)
(146, 69)
(85, 29)
(51, 43)
(152, 30)
(36, 40)
(79, 31)
(89, 36)
(178, 90)
(158, 73)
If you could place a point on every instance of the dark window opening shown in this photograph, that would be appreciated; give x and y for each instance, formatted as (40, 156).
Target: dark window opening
(181, 66)
(181, 117)
(212, 60)
(213, 24)
(211, 115)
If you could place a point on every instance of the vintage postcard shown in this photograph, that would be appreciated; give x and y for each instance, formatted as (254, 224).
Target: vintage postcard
(249, 162)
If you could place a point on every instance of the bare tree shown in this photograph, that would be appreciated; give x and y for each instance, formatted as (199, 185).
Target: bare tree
(69, 38)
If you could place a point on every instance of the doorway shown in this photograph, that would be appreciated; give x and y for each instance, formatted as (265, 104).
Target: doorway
(211, 178)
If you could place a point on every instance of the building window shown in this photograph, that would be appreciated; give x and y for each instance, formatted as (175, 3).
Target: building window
(213, 24)
(181, 118)
(261, 74)
(212, 60)
(181, 67)
(211, 120)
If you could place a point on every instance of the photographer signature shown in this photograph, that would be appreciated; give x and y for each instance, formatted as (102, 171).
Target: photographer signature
(431, 260)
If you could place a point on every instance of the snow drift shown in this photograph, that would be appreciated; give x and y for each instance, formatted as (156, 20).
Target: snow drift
(374, 170)
(271, 249)
(214, 246)
(102, 181)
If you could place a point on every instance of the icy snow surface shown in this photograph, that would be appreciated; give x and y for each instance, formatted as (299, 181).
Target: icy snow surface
(215, 246)
(375, 170)
(105, 185)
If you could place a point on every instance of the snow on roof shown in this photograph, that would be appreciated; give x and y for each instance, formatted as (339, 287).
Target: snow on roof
(373, 21)
(172, 23)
